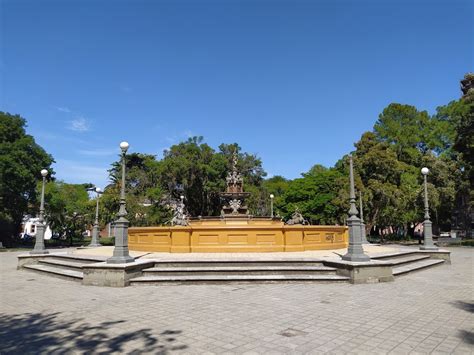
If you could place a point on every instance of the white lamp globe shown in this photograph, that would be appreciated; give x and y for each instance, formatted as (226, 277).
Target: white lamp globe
(98, 190)
(425, 171)
(44, 172)
(272, 195)
(181, 197)
(124, 146)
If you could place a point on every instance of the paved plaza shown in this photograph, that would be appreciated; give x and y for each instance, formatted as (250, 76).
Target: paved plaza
(431, 311)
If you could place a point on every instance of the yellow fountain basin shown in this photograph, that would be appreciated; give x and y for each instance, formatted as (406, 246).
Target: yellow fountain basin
(237, 235)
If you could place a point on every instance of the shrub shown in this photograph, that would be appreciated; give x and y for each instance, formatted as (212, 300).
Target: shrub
(105, 241)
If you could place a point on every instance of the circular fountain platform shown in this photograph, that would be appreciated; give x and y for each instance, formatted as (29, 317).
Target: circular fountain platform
(239, 234)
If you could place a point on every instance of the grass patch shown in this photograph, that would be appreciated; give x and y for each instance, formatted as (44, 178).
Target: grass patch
(463, 243)
(103, 241)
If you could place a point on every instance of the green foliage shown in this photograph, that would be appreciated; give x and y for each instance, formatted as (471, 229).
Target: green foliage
(412, 133)
(21, 161)
(143, 188)
(316, 195)
(467, 243)
(388, 161)
(460, 115)
(191, 168)
(104, 241)
(69, 211)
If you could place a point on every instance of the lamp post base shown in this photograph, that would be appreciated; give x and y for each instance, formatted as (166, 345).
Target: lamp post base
(120, 260)
(355, 251)
(121, 254)
(428, 236)
(39, 252)
(95, 236)
(356, 257)
(39, 248)
(428, 247)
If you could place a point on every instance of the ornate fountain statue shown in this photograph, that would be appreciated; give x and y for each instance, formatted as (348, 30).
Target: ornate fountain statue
(180, 217)
(234, 196)
(296, 218)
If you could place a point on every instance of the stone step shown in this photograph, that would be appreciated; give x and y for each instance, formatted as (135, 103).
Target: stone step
(51, 270)
(237, 263)
(241, 270)
(419, 265)
(395, 255)
(203, 279)
(407, 260)
(76, 258)
(62, 264)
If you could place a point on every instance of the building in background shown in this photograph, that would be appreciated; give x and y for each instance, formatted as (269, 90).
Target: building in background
(29, 228)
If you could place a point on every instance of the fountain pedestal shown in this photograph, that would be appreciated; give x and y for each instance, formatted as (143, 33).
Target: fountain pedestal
(234, 197)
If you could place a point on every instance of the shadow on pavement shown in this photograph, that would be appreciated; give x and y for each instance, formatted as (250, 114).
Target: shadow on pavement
(46, 333)
(466, 336)
(466, 306)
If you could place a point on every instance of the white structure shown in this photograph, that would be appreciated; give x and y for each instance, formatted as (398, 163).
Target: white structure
(29, 229)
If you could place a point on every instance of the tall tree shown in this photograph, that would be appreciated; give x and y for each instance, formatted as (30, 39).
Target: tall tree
(316, 195)
(192, 169)
(69, 211)
(144, 192)
(21, 160)
(460, 115)
(412, 133)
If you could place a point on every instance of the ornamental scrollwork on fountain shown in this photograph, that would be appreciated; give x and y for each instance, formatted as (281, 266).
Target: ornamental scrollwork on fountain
(180, 217)
(235, 205)
(234, 195)
(234, 178)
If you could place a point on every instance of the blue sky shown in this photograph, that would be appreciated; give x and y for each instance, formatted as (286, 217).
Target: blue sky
(295, 82)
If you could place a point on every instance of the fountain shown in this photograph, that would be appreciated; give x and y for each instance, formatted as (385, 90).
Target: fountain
(235, 230)
(234, 196)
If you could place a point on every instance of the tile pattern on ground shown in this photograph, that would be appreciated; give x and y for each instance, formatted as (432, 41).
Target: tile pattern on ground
(426, 312)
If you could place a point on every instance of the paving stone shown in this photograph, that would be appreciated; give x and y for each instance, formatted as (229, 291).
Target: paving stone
(421, 313)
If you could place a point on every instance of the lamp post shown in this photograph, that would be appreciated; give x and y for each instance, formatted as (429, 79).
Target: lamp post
(363, 233)
(121, 254)
(95, 231)
(40, 228)
(427, 225)
(272, 196)
(355, 252)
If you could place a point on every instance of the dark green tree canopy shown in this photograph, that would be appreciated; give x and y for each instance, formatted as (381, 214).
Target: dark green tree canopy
(191, 168)
(21, 161)
(316, 195)
(69, 210)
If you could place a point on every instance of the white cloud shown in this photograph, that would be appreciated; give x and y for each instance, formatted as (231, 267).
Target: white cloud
(62, 109)
(79, 124)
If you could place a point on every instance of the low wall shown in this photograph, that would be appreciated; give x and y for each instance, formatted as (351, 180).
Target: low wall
(237, 236)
